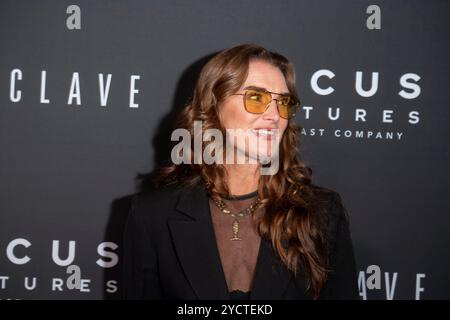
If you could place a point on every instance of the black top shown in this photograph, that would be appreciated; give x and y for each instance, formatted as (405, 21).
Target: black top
(238, 257)
(170, 252)
(239, 295)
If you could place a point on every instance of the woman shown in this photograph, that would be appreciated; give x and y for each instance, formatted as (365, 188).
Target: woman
(228, 230)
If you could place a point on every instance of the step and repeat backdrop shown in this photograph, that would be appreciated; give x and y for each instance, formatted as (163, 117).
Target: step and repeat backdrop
(89, 90)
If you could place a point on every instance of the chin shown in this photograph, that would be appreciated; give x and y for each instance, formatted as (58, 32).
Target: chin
(264, 152)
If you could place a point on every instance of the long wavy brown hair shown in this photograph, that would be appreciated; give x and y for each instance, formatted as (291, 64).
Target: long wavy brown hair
(292, 219)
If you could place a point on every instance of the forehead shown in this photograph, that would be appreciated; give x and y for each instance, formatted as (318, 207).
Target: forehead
(265, 75)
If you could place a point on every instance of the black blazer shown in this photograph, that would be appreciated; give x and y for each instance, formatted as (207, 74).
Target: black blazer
(170, 252)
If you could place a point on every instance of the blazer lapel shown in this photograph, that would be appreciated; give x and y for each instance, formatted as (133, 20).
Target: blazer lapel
(195, 244)
(196, 247)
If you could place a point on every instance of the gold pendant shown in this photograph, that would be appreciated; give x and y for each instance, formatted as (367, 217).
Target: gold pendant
(235, 229)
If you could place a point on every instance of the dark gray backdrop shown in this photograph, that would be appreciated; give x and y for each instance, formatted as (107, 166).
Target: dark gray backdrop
(67, 171)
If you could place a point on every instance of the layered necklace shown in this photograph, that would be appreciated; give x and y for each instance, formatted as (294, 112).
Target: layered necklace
(236, 215)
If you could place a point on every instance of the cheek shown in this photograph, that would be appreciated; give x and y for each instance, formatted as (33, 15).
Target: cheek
(283, 125)
(233, 116)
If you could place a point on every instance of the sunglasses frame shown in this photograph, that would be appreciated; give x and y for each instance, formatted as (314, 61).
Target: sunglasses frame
(296, 106)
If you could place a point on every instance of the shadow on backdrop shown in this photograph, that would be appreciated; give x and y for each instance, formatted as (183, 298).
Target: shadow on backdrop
(145, 181)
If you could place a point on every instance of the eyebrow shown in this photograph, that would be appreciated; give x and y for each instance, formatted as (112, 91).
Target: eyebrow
(256, 88)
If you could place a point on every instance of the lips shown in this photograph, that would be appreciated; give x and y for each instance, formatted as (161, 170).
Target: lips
(264, 131)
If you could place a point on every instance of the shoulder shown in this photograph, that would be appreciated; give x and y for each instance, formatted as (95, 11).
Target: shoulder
(154, 204)
(332, 206)
(162, 203)
(330, 201)
(154, 198)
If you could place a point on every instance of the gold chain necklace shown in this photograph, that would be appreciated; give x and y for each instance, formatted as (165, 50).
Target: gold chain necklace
(235, 225)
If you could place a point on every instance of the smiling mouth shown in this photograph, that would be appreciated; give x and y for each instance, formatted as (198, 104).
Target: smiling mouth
(265, 132)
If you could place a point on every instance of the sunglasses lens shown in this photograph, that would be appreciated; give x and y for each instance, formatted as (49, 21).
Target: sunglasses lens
(256, 102)
(287, 106)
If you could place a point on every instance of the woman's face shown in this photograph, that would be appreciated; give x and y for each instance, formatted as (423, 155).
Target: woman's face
(264, 130)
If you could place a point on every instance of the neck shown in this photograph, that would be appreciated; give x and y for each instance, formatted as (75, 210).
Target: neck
(242, 178)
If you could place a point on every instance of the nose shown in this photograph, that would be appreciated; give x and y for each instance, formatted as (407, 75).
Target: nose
(272, 112)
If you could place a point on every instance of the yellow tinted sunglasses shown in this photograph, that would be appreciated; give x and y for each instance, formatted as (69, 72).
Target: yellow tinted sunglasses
(258, 102)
